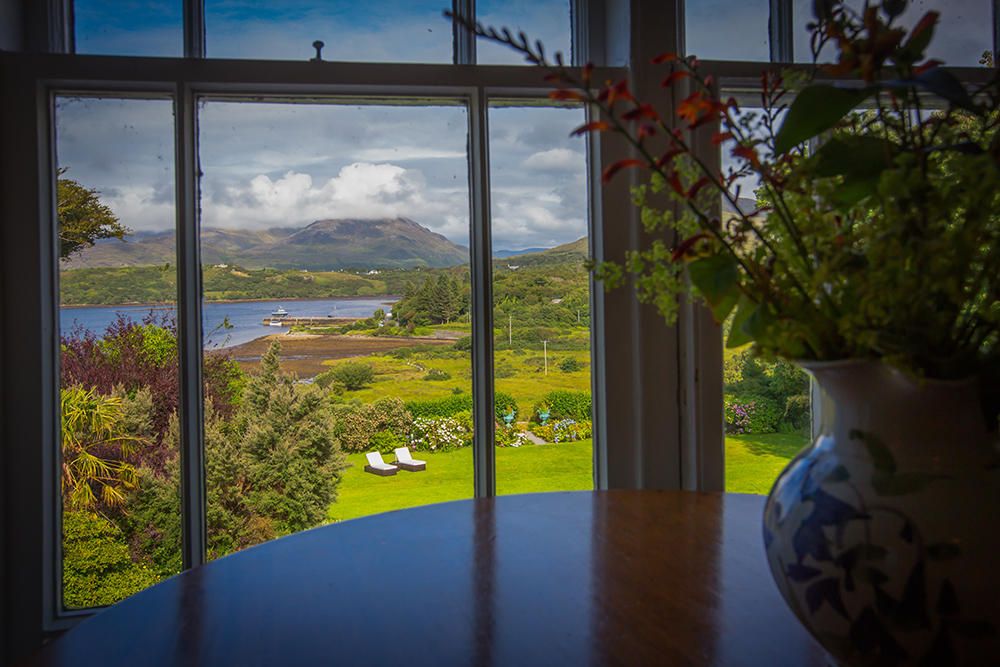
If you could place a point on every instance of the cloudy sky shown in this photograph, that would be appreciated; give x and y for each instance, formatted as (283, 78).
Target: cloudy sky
(737, 29)
(287, 165)
(270, 165)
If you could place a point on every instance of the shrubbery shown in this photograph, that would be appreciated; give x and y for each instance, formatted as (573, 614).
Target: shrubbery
(353, 375)
(765, 397)
(440, 434)
(755, 415)
(357, 423)
(97, 569)
(565, 404)
(565, 430)
(450, 405)
(510, 436)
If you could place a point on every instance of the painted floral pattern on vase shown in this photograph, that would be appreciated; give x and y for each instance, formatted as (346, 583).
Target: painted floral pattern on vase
(883, 535)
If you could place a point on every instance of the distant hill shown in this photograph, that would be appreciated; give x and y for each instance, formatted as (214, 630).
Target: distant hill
(497, 254)
(325, 245)
(569, 253)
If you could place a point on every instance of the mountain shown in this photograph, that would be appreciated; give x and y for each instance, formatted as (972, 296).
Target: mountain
(498, 254)
(327, 245)
(324, 245)
(574, 253)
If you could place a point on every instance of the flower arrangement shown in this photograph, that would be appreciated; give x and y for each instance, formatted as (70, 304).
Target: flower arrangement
(876, 231)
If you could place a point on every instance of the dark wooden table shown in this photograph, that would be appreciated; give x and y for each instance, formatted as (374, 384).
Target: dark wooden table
(582, 578)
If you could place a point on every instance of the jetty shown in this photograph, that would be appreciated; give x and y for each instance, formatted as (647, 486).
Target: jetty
(312, 321)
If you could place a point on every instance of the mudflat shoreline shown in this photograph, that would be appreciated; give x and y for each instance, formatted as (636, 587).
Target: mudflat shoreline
(304, 353)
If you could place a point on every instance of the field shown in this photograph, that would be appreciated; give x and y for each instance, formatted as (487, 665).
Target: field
(752, 462)
(528, 469)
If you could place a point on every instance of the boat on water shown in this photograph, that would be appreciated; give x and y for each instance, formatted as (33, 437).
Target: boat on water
(276, 322)
(280, 313)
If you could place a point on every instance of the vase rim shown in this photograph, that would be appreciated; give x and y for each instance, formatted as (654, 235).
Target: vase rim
(837, 364)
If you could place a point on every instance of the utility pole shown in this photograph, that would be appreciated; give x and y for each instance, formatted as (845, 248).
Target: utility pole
(510, 336)
(545, 349)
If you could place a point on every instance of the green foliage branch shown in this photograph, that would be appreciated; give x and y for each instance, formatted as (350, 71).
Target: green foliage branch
(882, 241)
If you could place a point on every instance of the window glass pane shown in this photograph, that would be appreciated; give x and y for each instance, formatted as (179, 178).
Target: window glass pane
(121, 503)
(339, 233)
(545, 20)
(963, 33)
(541, 299)
(109, 27)
(728, 29)
(380, 31)
(767, 403)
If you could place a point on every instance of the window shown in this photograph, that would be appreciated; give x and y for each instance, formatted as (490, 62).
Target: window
(641, 370)
(770, 407)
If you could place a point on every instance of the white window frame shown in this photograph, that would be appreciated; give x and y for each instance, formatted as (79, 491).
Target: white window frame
(657, 391)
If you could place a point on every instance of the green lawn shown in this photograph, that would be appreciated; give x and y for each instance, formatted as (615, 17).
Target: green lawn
(752, 464)
(754, 461)
(404, 378)
(528, 469)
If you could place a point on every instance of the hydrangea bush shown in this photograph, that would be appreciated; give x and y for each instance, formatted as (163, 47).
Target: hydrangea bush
(756, 416)
(439, 435)
(566, 430)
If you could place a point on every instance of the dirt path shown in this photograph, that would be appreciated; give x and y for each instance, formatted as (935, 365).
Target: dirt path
(304, 354)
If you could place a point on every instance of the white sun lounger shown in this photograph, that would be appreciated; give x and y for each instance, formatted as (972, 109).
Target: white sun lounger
(377, 466)
(407, 462)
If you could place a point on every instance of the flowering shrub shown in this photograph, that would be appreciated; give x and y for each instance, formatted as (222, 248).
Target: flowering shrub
(356, 424)
(439, 435)
(756, 416)
(566, 430)
(510, 436)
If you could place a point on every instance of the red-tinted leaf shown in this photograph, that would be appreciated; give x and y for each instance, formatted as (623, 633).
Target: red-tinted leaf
(588, 71)
(644, 110)
(565, 95)
(610, 172)
(674, 180)
(619, 91)
(646, 130)
(699, 184)
(664, 57)
(595, 126)
(673, 78)
(685, 246)
(719, 137)
(704, 120)
(746, 153)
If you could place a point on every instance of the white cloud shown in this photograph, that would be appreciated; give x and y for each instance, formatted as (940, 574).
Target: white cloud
(360, 190)
(557, 158)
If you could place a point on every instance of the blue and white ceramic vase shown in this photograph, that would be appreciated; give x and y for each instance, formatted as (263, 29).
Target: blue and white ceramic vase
(884, 535)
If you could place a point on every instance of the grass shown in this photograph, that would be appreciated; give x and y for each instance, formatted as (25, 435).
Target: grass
(527, 469)
(404, 378)
(752, 464)
(754, 461)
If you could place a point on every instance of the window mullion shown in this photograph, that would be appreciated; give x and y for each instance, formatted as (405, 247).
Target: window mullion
(483, 455)
(194, 28)
(463, 39)
(189, 334)
(780, 29)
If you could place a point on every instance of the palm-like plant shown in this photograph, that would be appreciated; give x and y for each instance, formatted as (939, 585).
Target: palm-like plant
(95, 449)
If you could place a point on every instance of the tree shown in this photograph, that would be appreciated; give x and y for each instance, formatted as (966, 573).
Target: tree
(353, 375)
(83, 219)
(95, 450)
